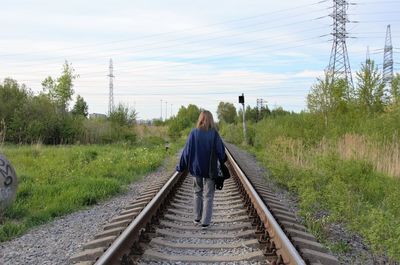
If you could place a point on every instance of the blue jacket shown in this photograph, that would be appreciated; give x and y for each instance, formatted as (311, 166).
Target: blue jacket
(197, 151)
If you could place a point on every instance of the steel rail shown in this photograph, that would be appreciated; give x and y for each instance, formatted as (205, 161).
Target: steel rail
(131, 234)
(283, 246)
(123, 243)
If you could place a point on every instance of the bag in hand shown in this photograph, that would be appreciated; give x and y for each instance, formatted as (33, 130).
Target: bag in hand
(217, 171)
(219, 182)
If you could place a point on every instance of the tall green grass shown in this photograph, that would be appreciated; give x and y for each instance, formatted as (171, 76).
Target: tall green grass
(345, 191)
(345, 172)
(54, 181)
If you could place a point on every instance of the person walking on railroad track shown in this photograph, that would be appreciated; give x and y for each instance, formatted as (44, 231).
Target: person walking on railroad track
(195, 157)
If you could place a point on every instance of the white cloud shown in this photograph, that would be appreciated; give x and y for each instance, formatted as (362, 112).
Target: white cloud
(309, 74)
(275, 56)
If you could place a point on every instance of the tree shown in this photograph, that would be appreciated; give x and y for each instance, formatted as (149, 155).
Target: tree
(189, 115)
(38, 129)
(123, 116)
(319, 99)
(370, 88)
(327, 98)
(279, 111)
(226, 112)
(12, 97)
(80, 107)
(263, 112)
(342, 96)
(254, 114)
(251, 114)
(193, 112)
(185, 118)
(60, 90)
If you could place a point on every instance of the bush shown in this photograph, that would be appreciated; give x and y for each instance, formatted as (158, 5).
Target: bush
(21, 117)
(232, 133)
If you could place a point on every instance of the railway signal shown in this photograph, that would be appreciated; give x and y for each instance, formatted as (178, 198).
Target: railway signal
(241, 101)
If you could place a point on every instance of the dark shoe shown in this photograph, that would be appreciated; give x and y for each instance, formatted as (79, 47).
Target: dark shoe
(196, 222)
(205, 226)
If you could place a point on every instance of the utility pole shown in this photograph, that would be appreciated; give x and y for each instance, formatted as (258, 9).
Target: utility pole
(387, 75)
(111, 89)
(339, 65)
(241, 100)
(161, 111)
(171, 111)
(166, 113)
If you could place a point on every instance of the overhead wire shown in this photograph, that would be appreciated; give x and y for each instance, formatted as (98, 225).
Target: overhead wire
(231, 45)
(180, 31)
(147, 48)
(216, 58)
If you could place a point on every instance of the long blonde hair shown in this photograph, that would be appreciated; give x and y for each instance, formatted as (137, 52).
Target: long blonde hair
(205, 121)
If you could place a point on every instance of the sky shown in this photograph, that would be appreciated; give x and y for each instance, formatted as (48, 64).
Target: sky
(168, 54)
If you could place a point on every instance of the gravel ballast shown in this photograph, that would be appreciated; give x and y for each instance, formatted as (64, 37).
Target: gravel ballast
(56, 242)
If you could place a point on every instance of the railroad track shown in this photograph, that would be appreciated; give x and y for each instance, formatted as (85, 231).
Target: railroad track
(249, 226)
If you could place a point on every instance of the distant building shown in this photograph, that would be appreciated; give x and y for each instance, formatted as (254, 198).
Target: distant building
(146, 122)
(97, 116)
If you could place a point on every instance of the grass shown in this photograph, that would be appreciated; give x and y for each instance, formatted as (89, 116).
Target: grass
(54, 181)
(385, 157)
(345, 173)
(351, 191)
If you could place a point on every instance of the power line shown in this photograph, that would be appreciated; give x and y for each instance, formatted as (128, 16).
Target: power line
(225, 53)
(147, 48)
(376, 2)
(184, 30)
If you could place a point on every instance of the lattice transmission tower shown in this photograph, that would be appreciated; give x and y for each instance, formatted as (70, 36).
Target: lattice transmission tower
(339, 65)
(387, 75)
(111, 89)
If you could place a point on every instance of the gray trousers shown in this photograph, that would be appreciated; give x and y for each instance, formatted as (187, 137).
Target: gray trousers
(204, 189)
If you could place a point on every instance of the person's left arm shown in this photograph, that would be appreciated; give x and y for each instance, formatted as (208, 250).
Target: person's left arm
(184, 160)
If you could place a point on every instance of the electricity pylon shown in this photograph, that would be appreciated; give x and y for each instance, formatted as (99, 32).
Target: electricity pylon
(387, 75)
(339, 65)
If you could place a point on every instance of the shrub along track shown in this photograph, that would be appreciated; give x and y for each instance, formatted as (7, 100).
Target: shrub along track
(250, 226)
